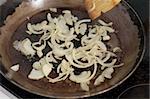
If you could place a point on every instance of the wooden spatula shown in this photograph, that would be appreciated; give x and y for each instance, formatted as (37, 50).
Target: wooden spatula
(96, 7)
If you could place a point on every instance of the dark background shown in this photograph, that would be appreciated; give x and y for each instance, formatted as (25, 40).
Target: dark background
(140, 76)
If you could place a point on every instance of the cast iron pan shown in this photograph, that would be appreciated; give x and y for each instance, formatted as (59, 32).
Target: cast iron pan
(129, 36)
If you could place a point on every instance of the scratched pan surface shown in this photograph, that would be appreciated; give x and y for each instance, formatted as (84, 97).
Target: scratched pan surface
(129, 36)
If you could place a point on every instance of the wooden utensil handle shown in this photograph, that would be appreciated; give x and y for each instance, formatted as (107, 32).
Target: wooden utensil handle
(96, 7)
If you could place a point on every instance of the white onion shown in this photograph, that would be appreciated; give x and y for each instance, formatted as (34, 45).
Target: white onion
(66, 11)
(39, 53)
(80, 78)
(117, 49)
(53, 9)
(109, 29)
(49, 18)
(76, 59)
(82, 29)
(107, 57)
(84, 86)
(68, 18)
(69, 58)
(49, 57)
(15, 67)
(77, 25)
(104, 23)
(61, 77)
(107, 72)
(40, 47)
(99, 80)
(102, 45)
(46, 36)
(31, 30)
(47, 69)
(36, 74)
(84, 77)
(105, 38)
(25, 47)
(43, 61)
(37, 65)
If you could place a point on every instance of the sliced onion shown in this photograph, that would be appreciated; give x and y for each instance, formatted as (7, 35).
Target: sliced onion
(47, 68)
(49, 18)
(78, 62)
(66, 11)
(118, 65)
(53, 9)
(106, 38)
(37, 65)
(64, 66)
(25, 47)
(43, 61)
(106, 64)
(30, 28)
(84, 86)
(40, 47)
(61, 77)
(39, 53)
(69, 58)
(99, 80)
(84, 78)
(36, 74)
(107, 72)
(102, 45)
(109, 29)
(26, 44)
(107, 57)
(104, 23)
(80, 78)
(15, 67)
(49, 57)
(117, 49)
(77, 25)
(46, 36)
(82, 29)
(68, 18)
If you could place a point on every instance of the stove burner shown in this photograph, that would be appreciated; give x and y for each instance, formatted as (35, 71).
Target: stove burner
(141, 91)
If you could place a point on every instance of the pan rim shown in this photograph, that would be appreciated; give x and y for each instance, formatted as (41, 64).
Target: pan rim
(108, 89)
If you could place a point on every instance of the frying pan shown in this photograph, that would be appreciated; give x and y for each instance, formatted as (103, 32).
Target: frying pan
(130, 36)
